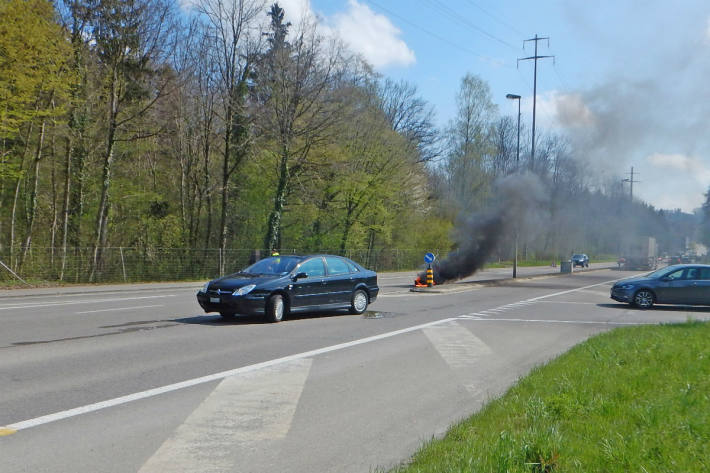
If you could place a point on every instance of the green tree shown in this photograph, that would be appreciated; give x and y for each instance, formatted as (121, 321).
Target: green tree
(134, 39)
(469, 143)
(232, 51)
(297, 89)
(33, 81)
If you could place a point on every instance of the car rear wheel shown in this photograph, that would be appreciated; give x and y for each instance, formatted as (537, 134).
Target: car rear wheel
(643, 299)
(275, 308)
(358, 302)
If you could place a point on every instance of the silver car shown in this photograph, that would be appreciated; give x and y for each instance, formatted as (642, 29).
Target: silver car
(687, 284)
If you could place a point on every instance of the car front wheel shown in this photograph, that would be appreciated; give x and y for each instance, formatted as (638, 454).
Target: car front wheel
(358, 302)
(275, 308)
(227, 315)
(643, 299)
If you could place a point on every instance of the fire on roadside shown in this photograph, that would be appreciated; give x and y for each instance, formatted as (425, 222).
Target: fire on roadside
(421, 282)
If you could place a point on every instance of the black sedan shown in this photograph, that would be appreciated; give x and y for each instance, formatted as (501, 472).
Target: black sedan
(687, 284)
(280, 285)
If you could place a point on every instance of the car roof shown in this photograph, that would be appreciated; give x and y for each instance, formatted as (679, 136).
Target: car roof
(688, 265)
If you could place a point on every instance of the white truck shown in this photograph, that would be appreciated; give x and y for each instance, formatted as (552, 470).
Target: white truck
(640, 254)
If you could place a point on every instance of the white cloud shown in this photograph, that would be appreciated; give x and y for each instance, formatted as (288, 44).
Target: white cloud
(372, 35)
(685, 179)
(691, 166)
(295, 11)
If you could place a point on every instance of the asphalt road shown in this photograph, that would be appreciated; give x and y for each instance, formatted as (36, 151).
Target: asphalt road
(137, 379)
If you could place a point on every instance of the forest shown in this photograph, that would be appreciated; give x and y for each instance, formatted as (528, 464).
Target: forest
(143, 141)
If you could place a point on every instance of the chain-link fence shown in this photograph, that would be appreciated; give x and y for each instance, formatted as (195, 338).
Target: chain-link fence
(76, 265)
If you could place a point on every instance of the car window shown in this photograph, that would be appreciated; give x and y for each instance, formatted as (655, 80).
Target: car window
(313, 267)
(336, 266)
(675, 274)
(692, 273)
(273, 265)
(354, 269)
(704, 273)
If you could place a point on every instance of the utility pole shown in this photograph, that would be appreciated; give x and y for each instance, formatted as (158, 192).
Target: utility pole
(535, 58)
(631, 181)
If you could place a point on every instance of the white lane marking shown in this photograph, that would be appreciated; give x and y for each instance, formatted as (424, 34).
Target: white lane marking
(121, 308)
(88, 301)
(535, 299)
(460, 349)
(26, 424)
(457, 345)
(527, 302)
(243, 410)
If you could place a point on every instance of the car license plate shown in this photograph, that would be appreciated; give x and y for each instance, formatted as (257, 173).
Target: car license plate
(214, 300)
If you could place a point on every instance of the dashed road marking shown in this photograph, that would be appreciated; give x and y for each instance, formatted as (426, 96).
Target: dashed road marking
(120, 308)
(243, 410)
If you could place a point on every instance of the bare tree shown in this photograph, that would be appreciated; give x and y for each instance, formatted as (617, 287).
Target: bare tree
(297, 87)
(411, 116)
(230, 25)
(133, 40)
(469, 143)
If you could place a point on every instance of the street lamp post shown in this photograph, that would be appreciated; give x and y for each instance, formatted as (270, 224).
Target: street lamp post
(517, 153)
(517, 164)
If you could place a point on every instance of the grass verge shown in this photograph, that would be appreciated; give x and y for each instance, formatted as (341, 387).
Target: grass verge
(634, 399)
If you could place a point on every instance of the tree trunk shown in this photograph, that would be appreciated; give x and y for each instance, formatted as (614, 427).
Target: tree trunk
(274, 226)
(18, 186)
(102, 214)
(32, 211)
(225, 186)
(65, 206)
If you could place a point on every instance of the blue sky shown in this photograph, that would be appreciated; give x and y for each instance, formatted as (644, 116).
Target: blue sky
(628, 84)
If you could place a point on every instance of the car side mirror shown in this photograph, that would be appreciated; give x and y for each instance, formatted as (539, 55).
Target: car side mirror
(300, 275)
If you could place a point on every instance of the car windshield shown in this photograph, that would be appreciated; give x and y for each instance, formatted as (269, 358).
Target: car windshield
(577, 256)
(273, 265)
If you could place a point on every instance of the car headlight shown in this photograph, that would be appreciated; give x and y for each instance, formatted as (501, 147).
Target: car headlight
(244, 290)
(625, 287)
(205, 287)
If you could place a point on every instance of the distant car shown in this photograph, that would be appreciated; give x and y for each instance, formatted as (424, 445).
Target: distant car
(675, 259)
(580, 260)
(279, 285)
(687, 284)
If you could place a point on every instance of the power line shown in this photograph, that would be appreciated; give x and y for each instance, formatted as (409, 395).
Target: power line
(456, 16)
(499, 20)
(430, 33)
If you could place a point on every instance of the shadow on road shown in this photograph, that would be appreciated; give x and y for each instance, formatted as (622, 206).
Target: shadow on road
(217, 320)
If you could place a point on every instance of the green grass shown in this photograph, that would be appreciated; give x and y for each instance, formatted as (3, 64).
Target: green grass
(631, 400)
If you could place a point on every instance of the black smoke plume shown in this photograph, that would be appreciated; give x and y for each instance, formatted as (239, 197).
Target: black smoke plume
(515, 202)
